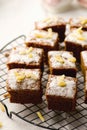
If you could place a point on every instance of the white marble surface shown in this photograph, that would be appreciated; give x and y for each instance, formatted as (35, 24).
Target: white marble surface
(16, 18)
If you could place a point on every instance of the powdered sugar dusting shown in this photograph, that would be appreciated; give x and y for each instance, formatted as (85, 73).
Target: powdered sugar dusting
(73, 37)
(67, 91)
(65, 55)
(27, 83)
(15, 56)
(45, 41)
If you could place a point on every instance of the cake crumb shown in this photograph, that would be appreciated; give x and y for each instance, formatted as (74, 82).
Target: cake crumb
(6, 54)
(73, 59)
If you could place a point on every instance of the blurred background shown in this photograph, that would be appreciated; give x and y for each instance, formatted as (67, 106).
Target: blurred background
(17, 16)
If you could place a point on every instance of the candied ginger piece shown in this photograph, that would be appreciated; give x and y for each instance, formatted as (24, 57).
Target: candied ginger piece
(40, 116)
(62, 83)
(73, 59)
(20, 78)
(39, 35)
(30, 55)
(81, 38)
(50, 33)
(62, 77)
(59, 59)
(79, 30)
(29, 50)
(83, 21)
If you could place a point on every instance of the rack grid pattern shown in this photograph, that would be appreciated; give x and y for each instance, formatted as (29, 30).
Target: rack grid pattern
(54, 120)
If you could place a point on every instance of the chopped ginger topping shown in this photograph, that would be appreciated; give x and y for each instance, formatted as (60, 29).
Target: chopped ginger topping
(39, 35)
(1, 124)
(50, 33)
(78, 34)
(16, 73)
(30, 49)
(59, 59)
(22, 52)
(79, 30)
(83, 21)
(47, 35)
(62, 77)
(81, 38)
(31, 75)
(62, 83)
(20, 78)
(2, 107)
(40, 116)
(73, 59)
(30, 55)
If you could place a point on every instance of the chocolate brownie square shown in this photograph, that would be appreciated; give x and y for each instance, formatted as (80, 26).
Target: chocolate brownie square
(47, 40)
(61, 93)
(24, 85)
(62, 62)
(76, 42)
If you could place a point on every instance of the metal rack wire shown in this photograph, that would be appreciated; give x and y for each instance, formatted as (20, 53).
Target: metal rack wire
(54, 120)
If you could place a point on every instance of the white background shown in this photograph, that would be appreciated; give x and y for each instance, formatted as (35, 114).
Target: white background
(16, 18)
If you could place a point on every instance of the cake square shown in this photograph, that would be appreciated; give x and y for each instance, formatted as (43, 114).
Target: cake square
(57, 24)
(78, 22)
(61, 93)
(76, 42)
(47, 40)
(62, 62)
(25, 57)
(84, 61)
(85, 89)
(24, 85)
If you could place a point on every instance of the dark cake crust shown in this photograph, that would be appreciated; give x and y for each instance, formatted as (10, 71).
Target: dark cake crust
(56, 102)
(75, 48)
(30, 95)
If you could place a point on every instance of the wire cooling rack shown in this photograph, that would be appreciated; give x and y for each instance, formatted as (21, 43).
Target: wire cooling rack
(54, 120)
